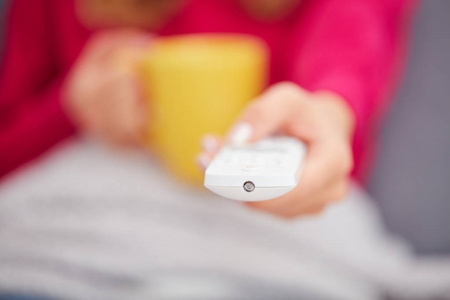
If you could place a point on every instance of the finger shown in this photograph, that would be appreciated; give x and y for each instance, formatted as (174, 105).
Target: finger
(321, 169)
(131, 112)
(326, 163)
(127, 58)
(291, 214)
(125, 118)
(332, 194)
(114, 115)
(92, 116)
(311, 183)
(211, 144)
(339, 191)
(269, 113)
(288, 209)
(312, 211)
(203, 160)
(290, 206)
(107, 42)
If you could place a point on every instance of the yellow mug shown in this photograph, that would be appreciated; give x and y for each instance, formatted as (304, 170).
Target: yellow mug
(198, 84)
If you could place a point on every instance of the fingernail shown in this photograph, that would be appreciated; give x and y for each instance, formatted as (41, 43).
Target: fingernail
(209, 144)
(203, 161)
(240, 134)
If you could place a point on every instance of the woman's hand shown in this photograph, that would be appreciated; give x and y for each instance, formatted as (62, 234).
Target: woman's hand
(102, 95)
(322, 120)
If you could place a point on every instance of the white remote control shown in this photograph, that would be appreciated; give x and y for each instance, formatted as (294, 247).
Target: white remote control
(261, 171)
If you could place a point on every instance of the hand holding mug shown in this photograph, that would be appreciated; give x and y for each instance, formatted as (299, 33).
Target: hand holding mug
(102, 94)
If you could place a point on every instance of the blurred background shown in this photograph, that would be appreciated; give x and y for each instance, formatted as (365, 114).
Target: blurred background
(411, 178)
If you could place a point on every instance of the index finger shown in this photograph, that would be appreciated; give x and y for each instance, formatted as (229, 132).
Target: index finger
(269, 113)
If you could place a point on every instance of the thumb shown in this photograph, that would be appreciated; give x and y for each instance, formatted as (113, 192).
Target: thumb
(269, 113)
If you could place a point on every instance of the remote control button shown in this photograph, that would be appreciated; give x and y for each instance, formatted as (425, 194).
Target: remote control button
(249, 186)
(250, 168)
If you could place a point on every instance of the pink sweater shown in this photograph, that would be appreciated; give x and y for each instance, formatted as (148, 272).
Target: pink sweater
(350, 47)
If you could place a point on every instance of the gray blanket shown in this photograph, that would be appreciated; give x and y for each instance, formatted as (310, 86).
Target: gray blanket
(87, 222)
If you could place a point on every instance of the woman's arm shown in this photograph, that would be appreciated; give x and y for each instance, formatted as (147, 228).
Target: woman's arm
(355, 49)
(31, 116)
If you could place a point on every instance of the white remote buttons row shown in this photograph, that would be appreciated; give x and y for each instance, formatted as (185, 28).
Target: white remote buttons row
(255, 172)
